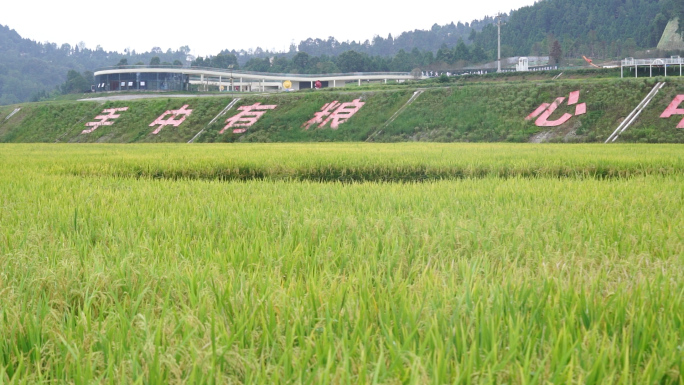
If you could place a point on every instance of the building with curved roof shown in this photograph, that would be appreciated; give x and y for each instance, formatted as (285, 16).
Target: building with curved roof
(174, 78)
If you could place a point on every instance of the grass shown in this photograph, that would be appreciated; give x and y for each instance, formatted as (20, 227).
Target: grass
(108, 275)
(653, 129)
(497, 112)
(459, 111)
(407, 162)
(284, 124)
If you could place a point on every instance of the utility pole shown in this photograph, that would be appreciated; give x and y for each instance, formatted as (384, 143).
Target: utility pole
(499, 24)
(232, 88)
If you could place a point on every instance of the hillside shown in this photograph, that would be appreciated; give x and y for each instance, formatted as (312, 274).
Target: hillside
(453, 112)
(28, 68)
(672, 39)
(596, 28)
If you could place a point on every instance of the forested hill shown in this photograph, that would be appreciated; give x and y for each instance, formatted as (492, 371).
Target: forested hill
(561, 29)
(29, 68)
(424, 40)
(601, 28)
(596, 28)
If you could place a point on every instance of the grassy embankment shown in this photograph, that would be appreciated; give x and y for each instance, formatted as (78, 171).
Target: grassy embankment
(136, 264)
(462, 111)
(650, 128)
(64, 121)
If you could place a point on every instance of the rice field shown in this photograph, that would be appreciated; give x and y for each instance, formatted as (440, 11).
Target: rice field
(345, 263)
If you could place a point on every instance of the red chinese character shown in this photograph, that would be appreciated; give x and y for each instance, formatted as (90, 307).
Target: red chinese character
(322, 114)
(546, 110)
(172, 121)
(342, 112)
(673, 109)
(104, 119)
(246, 118)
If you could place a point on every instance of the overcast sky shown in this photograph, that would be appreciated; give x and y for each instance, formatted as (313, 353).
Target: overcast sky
(207, 27)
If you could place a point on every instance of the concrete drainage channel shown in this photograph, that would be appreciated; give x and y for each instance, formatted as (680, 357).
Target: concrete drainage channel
(217, 117)
(396, 114)
(631, 118)
(12, 114)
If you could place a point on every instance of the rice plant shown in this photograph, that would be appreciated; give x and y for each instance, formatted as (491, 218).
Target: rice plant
(142, 264)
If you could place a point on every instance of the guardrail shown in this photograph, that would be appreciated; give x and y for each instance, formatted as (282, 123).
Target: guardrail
(655, 62)
(632, 63)
(250, 73)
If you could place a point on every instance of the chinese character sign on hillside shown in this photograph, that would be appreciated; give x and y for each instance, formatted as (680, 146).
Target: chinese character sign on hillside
(334, 113)
(545, 111)
(673, 109)
(174, 120)
(104, 119)
(247, 116)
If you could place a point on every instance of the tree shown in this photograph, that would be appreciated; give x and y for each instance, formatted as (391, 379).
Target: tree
(428, 58)
(123, 62)
(258, 65)
(326, 67)
(75, 83)
(461, 52)
(658, 26)
(478, 55)
(609, 28)
(224, 61)
(556, 52)
(89, 77)
(280, 64)
(301, 61)
(401, 62)
(674, 9)
(351, 61)
(155, 61)
(630, 46)
(444, 54)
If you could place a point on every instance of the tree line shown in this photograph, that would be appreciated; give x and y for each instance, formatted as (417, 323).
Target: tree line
(558, 28)
(595, 28)
(352, 61)
(31, 70)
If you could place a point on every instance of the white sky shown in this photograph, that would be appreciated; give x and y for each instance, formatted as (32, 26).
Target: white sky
(208, 27)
